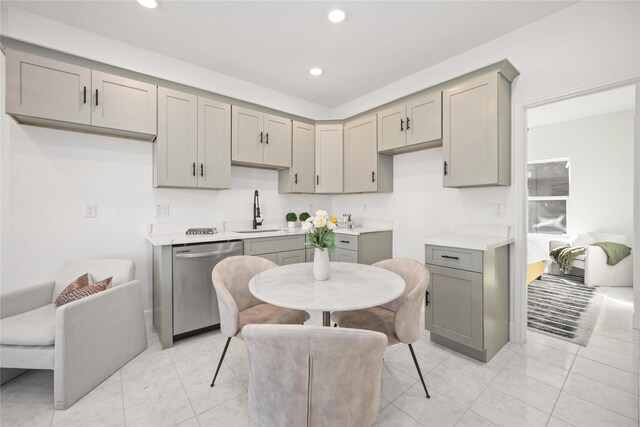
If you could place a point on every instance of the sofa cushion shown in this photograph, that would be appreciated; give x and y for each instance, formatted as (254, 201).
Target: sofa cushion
(79, 283)
(122, 271)
(35, 327)
(76, 294)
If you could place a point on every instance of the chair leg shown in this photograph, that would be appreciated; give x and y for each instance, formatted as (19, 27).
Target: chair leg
(221, 359)
(419, 372)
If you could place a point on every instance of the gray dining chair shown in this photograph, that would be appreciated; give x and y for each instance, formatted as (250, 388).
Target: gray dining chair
(399, 319)
(314, 375)
(238, 307)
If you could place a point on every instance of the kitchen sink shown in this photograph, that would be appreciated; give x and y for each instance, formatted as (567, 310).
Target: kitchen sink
(256, 231)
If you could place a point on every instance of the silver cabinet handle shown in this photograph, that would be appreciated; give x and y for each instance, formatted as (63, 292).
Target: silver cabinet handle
(204, 254)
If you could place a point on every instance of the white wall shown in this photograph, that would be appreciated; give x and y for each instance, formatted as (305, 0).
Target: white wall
(600, 149)
(53, 173)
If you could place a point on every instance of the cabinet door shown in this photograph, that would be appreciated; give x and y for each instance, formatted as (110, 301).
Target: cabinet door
(392, 128)
(124, 104)
(303, 165)
(214, 144)
(271, 257)
(176, 149)
(277, 141)
(291, 257)
(329, 151)
(360, 155)
(470, 132)
(343, 255)
(310, 254)
(41, 87)
(456, 305)
(247, 137)
(424, 118)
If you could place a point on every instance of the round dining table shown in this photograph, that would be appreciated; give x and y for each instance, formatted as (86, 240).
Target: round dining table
(349, 287)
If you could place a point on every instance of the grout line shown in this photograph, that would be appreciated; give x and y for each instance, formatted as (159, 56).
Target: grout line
(124, 415)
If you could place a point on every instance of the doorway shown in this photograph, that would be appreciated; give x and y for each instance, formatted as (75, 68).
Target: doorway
(574, 173)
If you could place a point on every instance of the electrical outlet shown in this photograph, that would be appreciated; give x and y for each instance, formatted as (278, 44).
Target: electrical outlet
(498, 211)
(162, 211)
(90, 210)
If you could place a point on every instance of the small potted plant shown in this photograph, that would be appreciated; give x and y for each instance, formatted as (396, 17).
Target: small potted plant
(304, 216)
(291, 219)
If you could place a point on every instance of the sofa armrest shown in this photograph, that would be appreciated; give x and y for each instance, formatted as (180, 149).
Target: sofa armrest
(96, 336)
(24, 300)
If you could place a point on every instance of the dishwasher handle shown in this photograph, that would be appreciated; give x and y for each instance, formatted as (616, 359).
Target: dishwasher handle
(204, 254)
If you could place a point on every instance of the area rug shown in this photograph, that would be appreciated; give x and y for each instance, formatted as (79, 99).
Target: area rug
(563, 307)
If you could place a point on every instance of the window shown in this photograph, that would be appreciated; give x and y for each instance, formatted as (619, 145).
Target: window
(548, 185)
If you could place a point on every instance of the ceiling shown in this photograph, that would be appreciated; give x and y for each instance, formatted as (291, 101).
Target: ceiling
(275, 43)
(580, 107)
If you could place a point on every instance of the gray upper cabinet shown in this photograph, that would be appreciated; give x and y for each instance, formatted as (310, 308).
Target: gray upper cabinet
(365, 170)
(193, 146)
(260, 139)
(214, 144)
(413, 125)
(329, 160)
(47, 89)
(476, 132)
(300, 178)
(121, 103)
(46, 92)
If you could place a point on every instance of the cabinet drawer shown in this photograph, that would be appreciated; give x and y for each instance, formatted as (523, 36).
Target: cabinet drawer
(343, 255)
(346, 241)
(266, 245)
(291, 257)
(463, 259)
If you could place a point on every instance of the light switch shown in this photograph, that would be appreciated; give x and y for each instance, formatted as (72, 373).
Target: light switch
(90, 210)
(162, 211)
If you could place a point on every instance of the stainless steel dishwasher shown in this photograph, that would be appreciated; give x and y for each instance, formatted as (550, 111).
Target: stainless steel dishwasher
(195, 305)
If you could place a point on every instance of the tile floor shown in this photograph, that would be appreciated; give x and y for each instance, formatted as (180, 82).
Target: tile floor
(544, 382)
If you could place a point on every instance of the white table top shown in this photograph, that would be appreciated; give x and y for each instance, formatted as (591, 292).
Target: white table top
(349, 287)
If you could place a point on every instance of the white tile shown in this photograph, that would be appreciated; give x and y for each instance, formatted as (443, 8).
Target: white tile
(437, 411)
(618, 378)
(550, 355)
(25, 414)
(619, 331)
(233, 413)
(383, 403)
(528, 390)
(402, 360)
(614, 344)
(112, 420)
(538, 370)
(186, 349)
(504, 410)
(557, 422)
(202, 366)
(513, 346)
(430, 349)
(556, 343)
(391, 416)
(471, 419)
(580, 412)
(191, 422)
(146, 361)
(483, 372)
(34, 387)
(99, 402)
(141, 387)
(455, 385)
(602, 395)
(502, 357)
(163, 408)
(395, 382)
(611, 358)
(204, 397)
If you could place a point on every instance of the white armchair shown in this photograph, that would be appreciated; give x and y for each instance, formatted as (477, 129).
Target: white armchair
(594, 263)
(84, 342)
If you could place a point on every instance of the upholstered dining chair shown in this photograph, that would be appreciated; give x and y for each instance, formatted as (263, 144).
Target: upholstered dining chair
(84, 342)
(399, 319)
(313, 375)
(238, 307)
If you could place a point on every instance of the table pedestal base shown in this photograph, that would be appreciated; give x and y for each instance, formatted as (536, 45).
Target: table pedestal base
(326, 318)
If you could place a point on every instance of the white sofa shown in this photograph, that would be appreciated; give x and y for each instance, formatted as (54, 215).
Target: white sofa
(594, 263)
(84, 342)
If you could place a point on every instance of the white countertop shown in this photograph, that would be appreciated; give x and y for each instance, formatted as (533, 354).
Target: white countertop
(349, 287)
(162, 239)
(468, 241)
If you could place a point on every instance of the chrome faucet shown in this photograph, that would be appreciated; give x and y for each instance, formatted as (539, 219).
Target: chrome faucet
(346, 218)
(256, 211)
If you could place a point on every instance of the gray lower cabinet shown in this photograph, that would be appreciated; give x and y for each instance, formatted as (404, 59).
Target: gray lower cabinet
(366, 248)
(467, 303)
(281, 250)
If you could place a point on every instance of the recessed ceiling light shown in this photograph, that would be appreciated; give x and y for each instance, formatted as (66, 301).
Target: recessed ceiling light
(151, 4)
(337, 15)
(315, 71)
